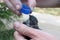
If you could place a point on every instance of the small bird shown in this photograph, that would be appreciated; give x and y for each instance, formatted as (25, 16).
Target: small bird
(31, 22)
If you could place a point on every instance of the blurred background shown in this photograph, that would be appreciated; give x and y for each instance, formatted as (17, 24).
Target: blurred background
(49, 21)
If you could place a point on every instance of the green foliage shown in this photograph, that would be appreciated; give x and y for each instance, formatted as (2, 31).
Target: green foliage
(4, 11)
(2, 26)
(7, 35)
(1, 23)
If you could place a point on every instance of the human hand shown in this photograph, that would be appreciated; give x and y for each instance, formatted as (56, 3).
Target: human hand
(16, 5)
(34, 34)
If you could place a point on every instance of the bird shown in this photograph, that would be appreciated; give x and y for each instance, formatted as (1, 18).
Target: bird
(32, 22)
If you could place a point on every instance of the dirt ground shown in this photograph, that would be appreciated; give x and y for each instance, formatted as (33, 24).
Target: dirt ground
(54, 30)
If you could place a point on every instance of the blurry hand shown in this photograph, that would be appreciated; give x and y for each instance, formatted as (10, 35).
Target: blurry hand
(15, 5)
(35, 34)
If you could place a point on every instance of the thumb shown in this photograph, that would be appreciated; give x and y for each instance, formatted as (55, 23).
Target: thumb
(25, 30)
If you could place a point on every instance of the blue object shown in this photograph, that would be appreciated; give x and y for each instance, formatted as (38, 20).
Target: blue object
(25, 9)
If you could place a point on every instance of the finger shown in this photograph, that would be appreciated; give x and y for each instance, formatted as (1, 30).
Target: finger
(17, 4)
(18, 36)
(8, 3)
(32, 3)
(32, 33)
(25, 30)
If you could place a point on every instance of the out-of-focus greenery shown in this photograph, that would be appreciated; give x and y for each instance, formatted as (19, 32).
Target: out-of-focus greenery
(7, 35)
(5, 13)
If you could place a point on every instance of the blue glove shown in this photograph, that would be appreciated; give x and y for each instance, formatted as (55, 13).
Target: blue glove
(25, 9)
